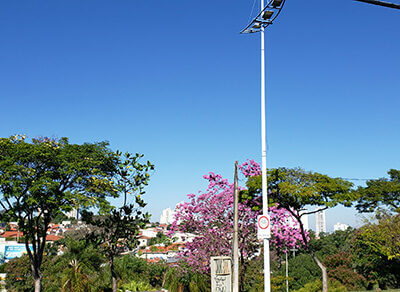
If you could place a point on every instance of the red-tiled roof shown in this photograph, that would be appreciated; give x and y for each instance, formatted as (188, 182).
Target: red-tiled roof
(51, 237)
(12, 234)
(162, 249)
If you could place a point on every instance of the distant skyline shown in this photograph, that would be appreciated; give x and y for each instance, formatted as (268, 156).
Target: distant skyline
(175, 80)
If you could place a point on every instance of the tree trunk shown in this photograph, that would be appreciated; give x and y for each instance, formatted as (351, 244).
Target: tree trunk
(38, 285)
(113, 275)
(37, 278)
(324, 273)
(114, 284)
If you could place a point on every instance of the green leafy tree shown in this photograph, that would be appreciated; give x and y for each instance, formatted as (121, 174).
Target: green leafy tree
(183, 278)
(132, 268)
(340, 268)
(296, 189)
(19, 276)
(316, 286)
(74, 278)
(137, 286)
(160, 238)
(380, 193)
(375, 248)
(118, 230)
(302, 270)
(384, 237)
(41, 178)
(330, 244)
(78, 268)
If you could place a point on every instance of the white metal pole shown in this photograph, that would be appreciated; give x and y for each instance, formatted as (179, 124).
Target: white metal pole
(267, 273)
(235, 252)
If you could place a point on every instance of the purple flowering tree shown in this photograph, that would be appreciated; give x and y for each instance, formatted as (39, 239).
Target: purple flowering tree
(209, 216)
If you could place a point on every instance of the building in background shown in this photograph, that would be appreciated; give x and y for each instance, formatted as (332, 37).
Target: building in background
(74, 213)
(167, 216)
(340, 226)
(320, 222)
(304, 219)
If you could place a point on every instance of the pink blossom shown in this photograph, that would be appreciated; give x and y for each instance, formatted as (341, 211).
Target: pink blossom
(209, 216)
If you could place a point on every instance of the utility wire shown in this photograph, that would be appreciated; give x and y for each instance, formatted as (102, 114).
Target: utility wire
(360, 179)
(381, 3)
(252, 9)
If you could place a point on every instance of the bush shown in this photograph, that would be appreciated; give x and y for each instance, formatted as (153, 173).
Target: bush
(302, 270)
(130, 268)
(316, 286)
(134, 286)
(340, 269)
(182, 277)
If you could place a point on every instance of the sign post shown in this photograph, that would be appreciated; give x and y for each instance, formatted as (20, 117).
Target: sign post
(263, 227)
(221, 274)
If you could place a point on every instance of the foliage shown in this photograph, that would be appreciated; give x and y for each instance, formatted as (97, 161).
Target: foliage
(302, 269)
(131, 268)
(295, 189)
(370, 253)
(184, 277)
(82, 268)
(79, 268)
(340, 268)
(160, 238)
(380, 193)
(254, 279)
(74, 278)
(316, 286)
(209, 216)
(136, 286)
(117, 231)
(330, 244)
(384, 237)
(19, 276)
(40, 179)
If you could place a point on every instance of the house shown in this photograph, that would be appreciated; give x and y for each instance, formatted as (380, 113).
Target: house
(158, 253)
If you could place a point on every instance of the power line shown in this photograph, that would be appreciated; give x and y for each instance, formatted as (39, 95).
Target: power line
(381, 3)
(359, 179)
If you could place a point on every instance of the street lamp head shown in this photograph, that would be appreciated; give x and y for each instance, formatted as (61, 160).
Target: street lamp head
(276, 3)
(267, 14)
(256, 25)
(266, 17)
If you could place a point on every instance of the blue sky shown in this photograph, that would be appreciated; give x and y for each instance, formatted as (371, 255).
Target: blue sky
(175, 80)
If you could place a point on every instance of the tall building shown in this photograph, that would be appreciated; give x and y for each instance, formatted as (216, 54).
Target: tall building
(320, 222)
(167, 216)
(74, 213)
(340, 226)
(304, 220)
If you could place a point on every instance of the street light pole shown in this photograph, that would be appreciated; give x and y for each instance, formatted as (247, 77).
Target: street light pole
(258, 24)
(267, 272)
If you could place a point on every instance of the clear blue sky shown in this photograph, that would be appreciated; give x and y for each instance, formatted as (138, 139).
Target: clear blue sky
(176, 81)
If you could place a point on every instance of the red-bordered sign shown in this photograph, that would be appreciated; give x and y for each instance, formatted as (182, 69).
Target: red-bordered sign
(263, 222)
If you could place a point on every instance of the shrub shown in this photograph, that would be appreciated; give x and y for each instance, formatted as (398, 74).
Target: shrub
(316, 286)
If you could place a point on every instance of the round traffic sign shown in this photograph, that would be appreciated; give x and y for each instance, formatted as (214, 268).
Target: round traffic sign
(263, 222)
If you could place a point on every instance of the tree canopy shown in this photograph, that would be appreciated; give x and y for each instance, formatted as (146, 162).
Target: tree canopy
(379, 193)
(295, 189)
(43, 177)
(117, 231)
(209, 216)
